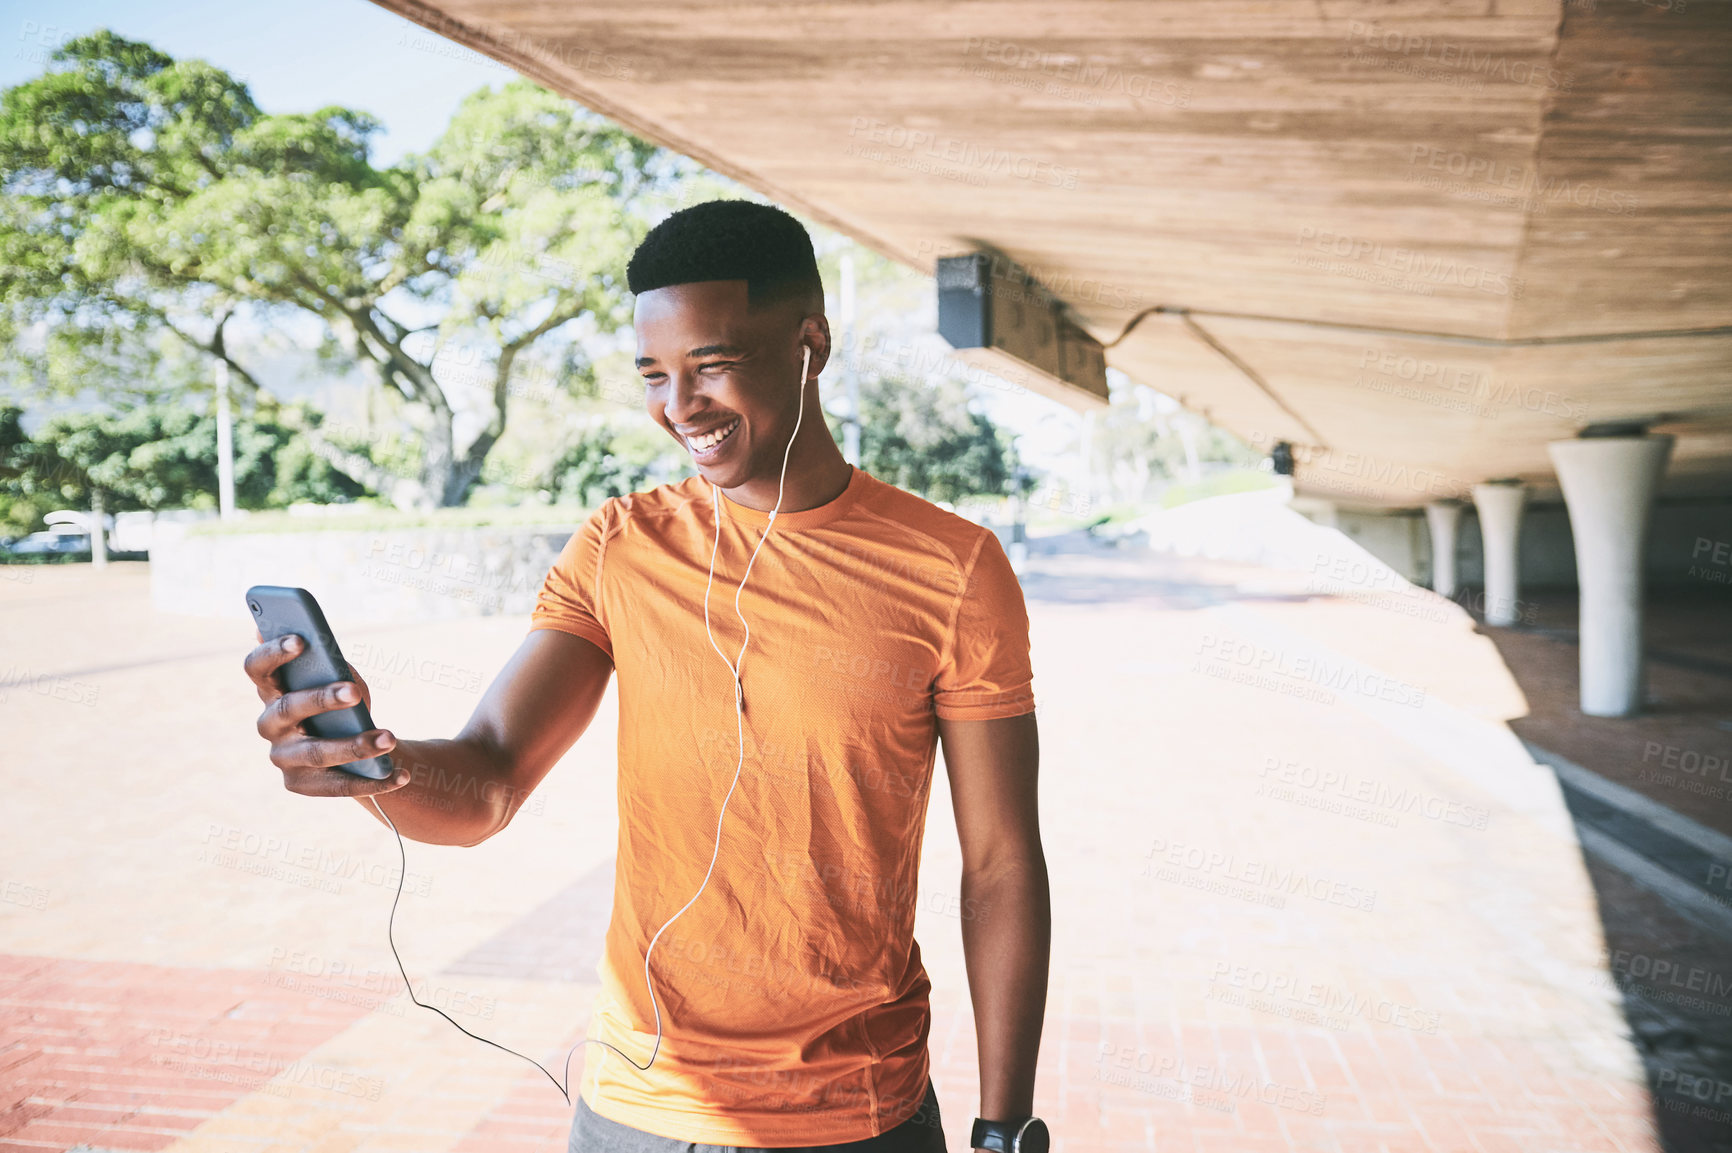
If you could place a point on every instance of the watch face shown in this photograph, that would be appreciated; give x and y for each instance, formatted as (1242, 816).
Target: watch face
(1035, 1138)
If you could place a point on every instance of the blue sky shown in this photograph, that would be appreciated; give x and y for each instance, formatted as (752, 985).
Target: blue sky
(295, 56)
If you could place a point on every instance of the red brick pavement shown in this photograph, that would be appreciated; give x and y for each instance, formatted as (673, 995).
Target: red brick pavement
(125, 1056)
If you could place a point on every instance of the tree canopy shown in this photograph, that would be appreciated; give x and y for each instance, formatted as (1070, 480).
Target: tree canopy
(924, 437)
(152, 457)
(142, 195)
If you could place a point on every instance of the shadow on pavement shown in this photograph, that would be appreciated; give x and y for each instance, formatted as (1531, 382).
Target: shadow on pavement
(1674, 971)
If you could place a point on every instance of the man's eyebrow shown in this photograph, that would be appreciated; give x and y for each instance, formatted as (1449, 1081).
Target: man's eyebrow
(697, 353)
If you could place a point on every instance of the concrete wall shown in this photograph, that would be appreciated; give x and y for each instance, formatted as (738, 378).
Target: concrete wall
(1399, 541)
(1684, 540)
(359, 576)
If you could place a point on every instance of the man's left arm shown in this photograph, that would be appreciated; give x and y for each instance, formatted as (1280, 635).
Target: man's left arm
(1006, 906)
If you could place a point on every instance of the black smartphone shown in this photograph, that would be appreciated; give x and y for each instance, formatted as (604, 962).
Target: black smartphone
(280, 611)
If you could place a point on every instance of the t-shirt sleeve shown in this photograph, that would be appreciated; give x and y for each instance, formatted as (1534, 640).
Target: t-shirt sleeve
(987, 673)
(570, 597)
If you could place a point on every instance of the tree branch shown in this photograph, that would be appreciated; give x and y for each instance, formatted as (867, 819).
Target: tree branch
(402, 492)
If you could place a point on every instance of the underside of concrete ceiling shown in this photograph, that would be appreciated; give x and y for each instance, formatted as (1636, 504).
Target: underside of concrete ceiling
(1416, 240)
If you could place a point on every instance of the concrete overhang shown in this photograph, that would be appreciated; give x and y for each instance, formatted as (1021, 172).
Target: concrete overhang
(1416, 239)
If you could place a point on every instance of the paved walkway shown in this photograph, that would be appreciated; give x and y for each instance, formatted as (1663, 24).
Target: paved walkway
(1309, 891)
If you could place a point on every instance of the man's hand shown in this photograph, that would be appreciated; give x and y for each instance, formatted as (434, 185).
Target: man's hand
(307, 761)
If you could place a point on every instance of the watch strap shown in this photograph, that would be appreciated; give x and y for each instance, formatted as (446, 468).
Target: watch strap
(997, 1136)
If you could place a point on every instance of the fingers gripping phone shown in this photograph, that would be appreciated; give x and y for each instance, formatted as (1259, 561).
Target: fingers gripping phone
(280, 611)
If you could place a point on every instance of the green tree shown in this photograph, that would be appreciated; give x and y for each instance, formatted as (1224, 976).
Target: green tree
(141, 195)
(589, 471)
(1144, 442)
(925, 438)
(153, 457)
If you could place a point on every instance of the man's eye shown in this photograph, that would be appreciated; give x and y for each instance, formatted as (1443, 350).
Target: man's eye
(723, 364)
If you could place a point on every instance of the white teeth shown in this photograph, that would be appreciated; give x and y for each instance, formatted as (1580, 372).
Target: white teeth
(710, 439)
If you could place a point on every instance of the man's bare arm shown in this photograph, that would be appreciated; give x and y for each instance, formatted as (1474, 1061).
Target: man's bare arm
(1007, 921)
(451, 792)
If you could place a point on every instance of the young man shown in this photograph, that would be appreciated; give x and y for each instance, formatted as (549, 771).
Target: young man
(775, 818)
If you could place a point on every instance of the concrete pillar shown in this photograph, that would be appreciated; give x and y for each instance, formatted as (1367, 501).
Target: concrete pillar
(1500, 507)
(1608, 485)
(1443, 517)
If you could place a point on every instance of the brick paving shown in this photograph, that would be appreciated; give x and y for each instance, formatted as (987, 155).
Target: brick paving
(1309, 893)
(1679, 751)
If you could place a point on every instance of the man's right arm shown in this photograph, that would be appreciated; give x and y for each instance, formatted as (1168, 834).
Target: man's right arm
(448, 792)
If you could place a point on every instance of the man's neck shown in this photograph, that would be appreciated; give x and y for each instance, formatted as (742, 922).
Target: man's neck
(817, 475)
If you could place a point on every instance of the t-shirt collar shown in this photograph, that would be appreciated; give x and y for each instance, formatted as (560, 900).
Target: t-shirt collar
(805, 518)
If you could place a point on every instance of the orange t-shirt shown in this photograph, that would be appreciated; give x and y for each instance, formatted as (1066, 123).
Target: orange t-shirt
(794, 1004)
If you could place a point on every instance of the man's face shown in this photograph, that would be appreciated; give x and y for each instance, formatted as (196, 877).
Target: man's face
(722, 379)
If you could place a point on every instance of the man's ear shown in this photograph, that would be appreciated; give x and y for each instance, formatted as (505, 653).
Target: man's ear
(815, 332)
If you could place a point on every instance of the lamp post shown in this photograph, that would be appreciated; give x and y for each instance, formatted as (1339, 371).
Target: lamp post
(225, 444)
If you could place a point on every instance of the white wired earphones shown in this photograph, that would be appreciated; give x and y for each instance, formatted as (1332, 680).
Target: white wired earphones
(740, 731)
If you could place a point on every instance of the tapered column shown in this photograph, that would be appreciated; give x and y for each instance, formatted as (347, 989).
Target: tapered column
(1609, 485)
(1444, 519)
(1500, 525)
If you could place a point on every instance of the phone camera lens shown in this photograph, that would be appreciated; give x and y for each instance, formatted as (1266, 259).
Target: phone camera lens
(254, 605)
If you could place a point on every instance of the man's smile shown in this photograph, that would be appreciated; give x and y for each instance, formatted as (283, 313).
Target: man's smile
(706, 446)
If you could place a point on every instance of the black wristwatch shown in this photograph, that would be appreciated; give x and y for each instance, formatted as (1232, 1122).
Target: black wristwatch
(1019, 1135)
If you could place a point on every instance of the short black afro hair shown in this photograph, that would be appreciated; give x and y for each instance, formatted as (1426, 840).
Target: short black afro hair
(730, 240)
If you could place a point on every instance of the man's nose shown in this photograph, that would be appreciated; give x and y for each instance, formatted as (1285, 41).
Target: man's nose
(685, 397)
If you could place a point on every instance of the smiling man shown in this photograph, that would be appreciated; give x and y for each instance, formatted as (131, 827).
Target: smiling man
(770, 822)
